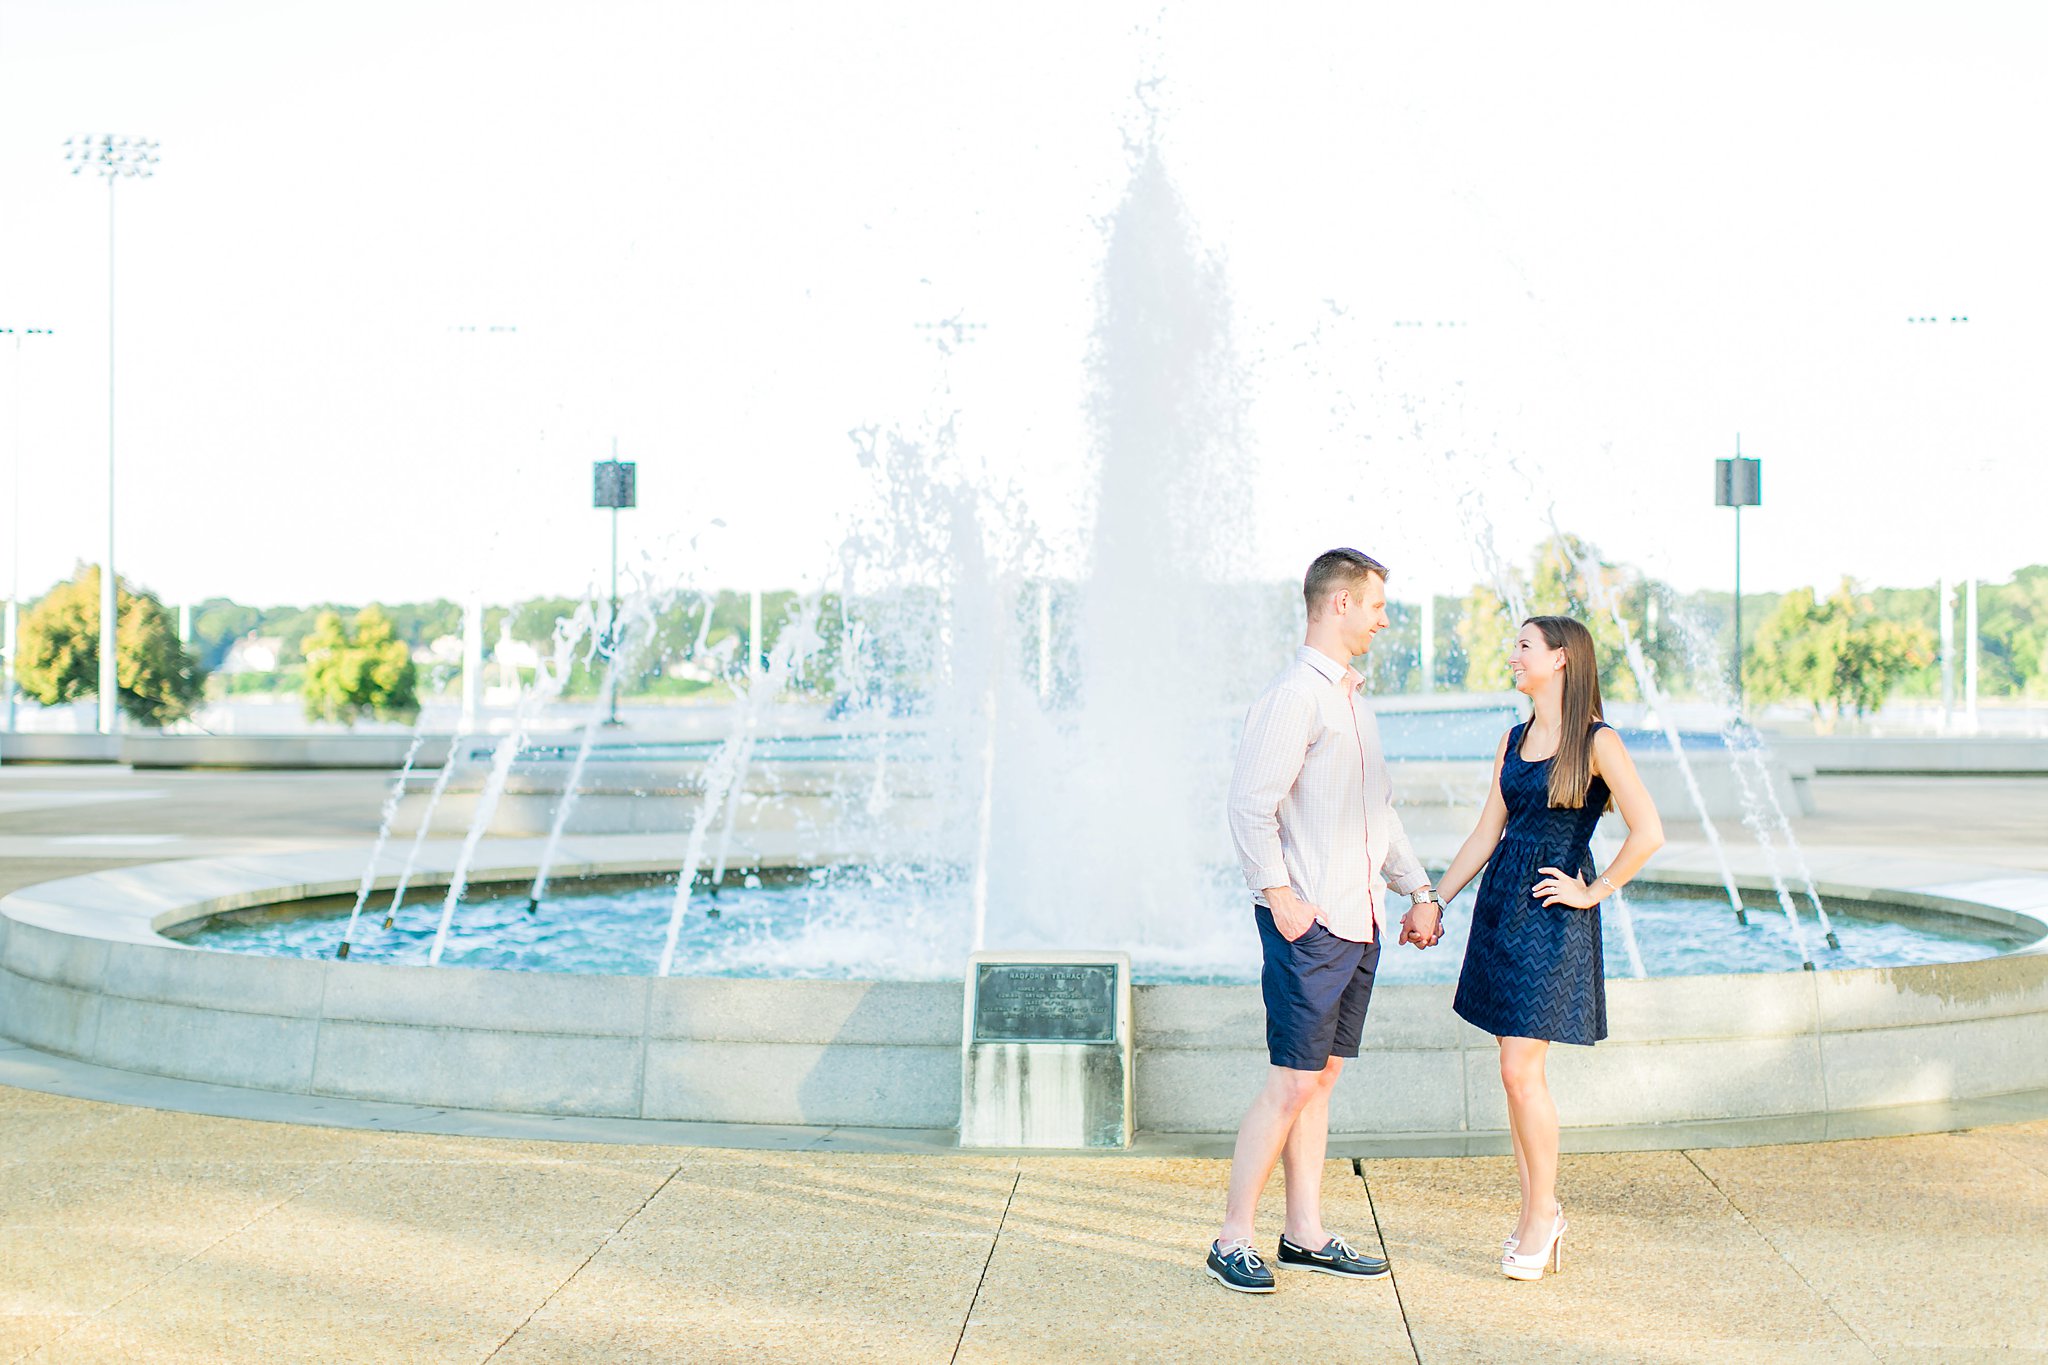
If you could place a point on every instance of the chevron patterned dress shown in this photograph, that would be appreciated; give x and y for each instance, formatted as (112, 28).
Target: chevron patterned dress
(1531, 970)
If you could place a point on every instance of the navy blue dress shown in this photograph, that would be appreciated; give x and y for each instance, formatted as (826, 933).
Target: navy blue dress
(1531, 970)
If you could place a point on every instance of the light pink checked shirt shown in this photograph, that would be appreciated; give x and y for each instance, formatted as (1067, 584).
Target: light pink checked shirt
(1311, 804)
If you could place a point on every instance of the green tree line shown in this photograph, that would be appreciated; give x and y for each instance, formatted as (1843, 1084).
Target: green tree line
(1839, 651)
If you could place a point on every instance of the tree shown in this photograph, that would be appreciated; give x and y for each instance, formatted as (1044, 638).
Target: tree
(349, 674)
(216, 624)
(1484, 634)
(2015, 630)
(1558, 586)
(1836, 654)
(156, 680)
(421, 623)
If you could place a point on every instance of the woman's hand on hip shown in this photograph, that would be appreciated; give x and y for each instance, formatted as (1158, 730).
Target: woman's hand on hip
(1555, 888)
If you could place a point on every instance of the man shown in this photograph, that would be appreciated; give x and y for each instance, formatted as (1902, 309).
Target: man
(1312, 815)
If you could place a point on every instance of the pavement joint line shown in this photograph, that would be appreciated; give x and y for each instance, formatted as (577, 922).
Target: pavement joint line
(606, 1241)
(1778, 1251)
(646, 1040)
(1820, 1046)
(2027, 1162)
(325, 1173)
(1393, 1278)
(988, 1260)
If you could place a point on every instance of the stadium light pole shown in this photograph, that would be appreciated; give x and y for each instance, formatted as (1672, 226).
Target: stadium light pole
(113, 159)
(1945, 595)
(473, 602)
(614, 487)
(12, 636)
(1738, 483)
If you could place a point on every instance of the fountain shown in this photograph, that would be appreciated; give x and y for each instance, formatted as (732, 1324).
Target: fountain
(1012, 762)
(1646, 685)
(390, 812)
(633, 623)
(546, 686)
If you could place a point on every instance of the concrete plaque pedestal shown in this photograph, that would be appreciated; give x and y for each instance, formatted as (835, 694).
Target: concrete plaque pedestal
(1047, 1051)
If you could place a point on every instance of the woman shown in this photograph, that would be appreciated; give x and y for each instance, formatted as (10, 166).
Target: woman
(1532, 974)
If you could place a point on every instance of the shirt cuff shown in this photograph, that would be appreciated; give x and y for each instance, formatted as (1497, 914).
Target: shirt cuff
(1259, 878)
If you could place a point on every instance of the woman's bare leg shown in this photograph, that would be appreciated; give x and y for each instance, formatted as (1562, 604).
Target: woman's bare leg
(1535, 1122)
(1515, 1140)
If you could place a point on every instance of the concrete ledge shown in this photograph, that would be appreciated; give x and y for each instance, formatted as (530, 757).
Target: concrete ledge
(555, 1003)
(315, 750)
(727, 1009)
(224, 1046)
(809, 1083)
(26, 1068)
(1932, 755)
(59, 1019)
(31, 747)
(478, 1068)
(1796, 756)
(84, 973)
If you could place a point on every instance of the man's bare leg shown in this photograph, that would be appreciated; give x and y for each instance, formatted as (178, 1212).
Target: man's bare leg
(1260, 1139)
(1308, 1144)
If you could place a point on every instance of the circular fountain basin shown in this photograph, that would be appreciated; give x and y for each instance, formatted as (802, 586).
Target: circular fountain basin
(912, 924)
(87, 971)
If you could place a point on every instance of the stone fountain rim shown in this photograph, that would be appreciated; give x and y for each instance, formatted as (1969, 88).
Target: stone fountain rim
(95, 1001)
(137, 903)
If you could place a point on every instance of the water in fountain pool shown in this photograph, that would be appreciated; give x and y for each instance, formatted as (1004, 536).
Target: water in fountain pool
(913, 924)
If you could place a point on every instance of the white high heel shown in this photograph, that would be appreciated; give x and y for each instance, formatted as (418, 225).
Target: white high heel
(1510, 1242)
(1516, 1266)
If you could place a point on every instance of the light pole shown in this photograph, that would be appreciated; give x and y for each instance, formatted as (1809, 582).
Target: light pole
(13, 624)
(1738, 483)
(1945, 603)
(613, 487)
(111, 158)
(480, 396)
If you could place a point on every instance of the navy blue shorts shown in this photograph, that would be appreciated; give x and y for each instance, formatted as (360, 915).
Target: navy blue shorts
(1316, 990)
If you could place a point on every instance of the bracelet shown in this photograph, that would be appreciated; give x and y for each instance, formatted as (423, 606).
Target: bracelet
(1610, 883)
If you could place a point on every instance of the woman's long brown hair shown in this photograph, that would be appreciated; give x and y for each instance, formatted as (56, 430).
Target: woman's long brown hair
(1572, 773)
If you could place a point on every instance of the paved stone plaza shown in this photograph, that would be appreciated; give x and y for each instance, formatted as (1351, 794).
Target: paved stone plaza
(135, 1235)
(132, 1234)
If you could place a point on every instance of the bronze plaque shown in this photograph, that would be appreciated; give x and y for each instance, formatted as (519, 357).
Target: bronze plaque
(1044, 1002)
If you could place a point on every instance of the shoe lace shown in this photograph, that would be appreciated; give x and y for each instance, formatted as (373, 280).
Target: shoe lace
(1242, 1253)
(1342, 1249)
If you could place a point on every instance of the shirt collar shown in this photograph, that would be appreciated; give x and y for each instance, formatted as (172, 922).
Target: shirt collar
(1343, 675)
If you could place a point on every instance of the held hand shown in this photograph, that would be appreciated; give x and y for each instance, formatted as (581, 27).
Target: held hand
(1422, 926)
(1555, 888)
(1292, 915)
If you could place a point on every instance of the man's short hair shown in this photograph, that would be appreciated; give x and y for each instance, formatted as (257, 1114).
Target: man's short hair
(1334, 569)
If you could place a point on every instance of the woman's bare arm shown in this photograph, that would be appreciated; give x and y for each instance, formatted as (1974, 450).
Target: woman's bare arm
(1485, 836)
(1611, 763)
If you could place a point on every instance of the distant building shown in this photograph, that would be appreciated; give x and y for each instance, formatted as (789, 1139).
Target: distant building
(511, 653)
(254, 653)
(442, 649)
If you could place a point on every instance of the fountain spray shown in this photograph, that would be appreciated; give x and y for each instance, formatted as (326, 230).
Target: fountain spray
(796, 642)
(636, 614)
(546, 686)
(1646, 681)
(1752, 772)
(412, 752)
(419, 837)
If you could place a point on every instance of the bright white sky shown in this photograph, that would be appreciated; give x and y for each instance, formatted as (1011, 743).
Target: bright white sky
(717, 226)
